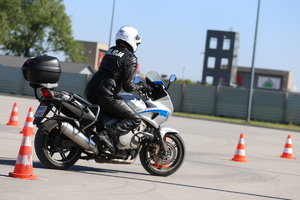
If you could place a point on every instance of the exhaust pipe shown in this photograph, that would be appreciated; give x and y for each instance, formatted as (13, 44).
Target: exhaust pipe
(78, 137)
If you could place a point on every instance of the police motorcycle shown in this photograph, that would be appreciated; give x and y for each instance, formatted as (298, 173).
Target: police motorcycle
(67, 124)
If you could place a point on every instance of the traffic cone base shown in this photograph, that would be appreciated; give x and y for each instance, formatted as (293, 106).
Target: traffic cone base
(28, 126)
(288, 151)
(239, 155)
(22, 176)
(13, 119)
(287, 155)
(23, 167)
(239, 158)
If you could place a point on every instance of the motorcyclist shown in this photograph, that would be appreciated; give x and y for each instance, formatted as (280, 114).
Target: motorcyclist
(116, 72)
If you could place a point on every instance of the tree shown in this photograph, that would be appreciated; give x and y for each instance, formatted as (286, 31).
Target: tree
(34, 27)
(187, 81)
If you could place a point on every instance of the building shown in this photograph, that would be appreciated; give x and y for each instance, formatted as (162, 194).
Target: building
(220, 66)
(94, 52)
(71, 67)
(220, 58)
(265, 79)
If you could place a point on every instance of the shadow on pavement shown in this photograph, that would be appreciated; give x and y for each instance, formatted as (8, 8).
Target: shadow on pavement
(118, 174)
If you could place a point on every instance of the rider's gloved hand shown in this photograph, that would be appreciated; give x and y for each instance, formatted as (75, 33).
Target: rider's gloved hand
(146, 89)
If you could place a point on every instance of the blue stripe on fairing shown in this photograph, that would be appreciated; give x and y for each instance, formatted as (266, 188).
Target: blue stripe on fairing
(163, 113)
(158, 82)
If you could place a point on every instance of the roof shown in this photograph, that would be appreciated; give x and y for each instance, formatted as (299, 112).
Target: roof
(263, 71)
(71, 67)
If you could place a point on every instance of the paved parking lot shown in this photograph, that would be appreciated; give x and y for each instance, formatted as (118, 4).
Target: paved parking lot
(207, 172)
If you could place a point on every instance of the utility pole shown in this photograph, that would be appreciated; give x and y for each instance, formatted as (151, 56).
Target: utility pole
(252, 66)
(183, 70)
(111, 24)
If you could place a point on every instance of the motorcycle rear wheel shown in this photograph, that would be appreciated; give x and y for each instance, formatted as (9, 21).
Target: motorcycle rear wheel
(153, 160)
(53, 149)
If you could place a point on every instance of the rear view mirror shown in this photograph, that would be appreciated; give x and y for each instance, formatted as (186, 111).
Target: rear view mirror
(137, 79)
(173, 78)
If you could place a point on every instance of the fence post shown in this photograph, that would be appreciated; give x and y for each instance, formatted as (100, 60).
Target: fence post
(284, 117)
(22, 85)
(216, 100)
(182, 97)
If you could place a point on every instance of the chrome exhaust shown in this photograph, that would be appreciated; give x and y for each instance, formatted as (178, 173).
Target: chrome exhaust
(78, 137)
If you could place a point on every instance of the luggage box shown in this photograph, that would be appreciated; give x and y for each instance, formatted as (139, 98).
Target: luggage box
(41, 69)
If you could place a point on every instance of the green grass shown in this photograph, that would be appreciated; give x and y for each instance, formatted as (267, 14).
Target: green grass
(241, 121)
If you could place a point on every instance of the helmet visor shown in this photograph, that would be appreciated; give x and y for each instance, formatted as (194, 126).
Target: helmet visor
(138, 39)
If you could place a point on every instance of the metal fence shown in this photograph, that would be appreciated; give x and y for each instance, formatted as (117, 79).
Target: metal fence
(12, 81)
(279, 107)
(271, 106)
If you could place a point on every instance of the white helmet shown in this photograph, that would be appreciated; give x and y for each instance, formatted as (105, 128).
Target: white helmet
(130, 35)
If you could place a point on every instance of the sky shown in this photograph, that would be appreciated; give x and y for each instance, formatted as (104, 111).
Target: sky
(174, 31)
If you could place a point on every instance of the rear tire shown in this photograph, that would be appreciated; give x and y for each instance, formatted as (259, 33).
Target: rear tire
(54, 149)
(153, 160)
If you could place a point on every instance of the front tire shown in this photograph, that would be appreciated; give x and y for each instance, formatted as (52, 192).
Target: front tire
(153, 160)
(54, 149)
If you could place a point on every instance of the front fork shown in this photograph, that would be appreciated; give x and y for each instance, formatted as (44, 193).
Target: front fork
(162, 131)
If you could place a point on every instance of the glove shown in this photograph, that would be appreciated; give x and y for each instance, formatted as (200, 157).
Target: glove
(146, 89)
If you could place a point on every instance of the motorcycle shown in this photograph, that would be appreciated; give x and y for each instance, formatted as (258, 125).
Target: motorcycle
(67, 124)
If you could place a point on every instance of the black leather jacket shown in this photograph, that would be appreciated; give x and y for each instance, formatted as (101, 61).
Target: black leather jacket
(117, 71)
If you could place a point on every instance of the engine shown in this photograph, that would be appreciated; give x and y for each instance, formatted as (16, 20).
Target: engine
(131, 140)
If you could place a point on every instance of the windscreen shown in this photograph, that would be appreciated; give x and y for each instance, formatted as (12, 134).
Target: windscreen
(154, 80)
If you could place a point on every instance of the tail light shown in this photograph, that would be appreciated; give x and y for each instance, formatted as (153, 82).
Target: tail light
(45, 93)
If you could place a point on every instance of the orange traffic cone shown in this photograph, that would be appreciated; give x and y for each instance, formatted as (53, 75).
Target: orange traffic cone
(28, 126)
(23, 168)
(13, 120)
(240, 151)
(287, 151)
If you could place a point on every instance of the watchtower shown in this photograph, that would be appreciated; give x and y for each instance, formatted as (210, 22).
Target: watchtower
(220, 60)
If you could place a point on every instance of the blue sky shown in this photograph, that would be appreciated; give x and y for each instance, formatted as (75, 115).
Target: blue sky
(174, 32)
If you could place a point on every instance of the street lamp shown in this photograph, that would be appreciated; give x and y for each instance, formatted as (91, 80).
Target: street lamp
(183, 70)
(252, 67)
(111, 23)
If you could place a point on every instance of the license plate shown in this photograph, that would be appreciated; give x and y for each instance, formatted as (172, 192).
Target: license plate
(40, 111)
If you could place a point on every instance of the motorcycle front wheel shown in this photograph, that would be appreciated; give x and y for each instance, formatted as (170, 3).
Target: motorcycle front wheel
(53, 149)
(156, 162)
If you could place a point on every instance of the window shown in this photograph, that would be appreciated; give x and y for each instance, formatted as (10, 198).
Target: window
(226, 44)
(224, 63)
(211, 62)
(213, 43)
(209, 79)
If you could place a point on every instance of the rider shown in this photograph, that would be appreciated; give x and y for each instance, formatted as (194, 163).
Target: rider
(117, 71)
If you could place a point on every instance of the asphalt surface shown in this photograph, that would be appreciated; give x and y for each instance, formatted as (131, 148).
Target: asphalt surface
(207, 172)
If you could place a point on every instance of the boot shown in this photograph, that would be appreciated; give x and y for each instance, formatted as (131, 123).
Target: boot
(105, 139)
